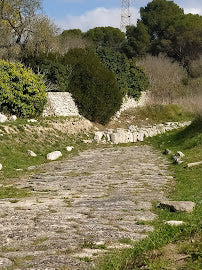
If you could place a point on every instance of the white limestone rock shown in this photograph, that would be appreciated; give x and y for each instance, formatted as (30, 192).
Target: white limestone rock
(180, 154)
(31, 153)
(1, 166)
(98, 136)
(3, 118)
(178, 206)
(13, 118)
(54, 155)
(175, 222)
(69, 148)
(31, 120)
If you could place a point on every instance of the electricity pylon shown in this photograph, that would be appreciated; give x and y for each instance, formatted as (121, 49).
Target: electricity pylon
(125, 14)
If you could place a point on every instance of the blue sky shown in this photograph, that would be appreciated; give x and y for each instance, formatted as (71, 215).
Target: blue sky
(86, 14)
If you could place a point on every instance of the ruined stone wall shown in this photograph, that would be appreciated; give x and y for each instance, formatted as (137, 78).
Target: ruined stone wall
(62, 104)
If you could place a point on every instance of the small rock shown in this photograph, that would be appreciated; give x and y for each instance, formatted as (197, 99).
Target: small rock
(177, 160)
(31, 153)
(31, 168)
(174, 222)
(69, 148)
(1, 166)
(166, 152)
(31, 120)
(179, 154)
(19, 170)
(54, 155)
(98, 136)
(177, 206)
(3, 118)
(13, 118)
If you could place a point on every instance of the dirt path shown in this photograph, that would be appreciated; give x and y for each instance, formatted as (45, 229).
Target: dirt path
(82, 207)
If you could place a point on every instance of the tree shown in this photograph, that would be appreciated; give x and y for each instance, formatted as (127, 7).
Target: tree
(17, 14)
(158, 16)
(70, 39)
(131, 79)
(43, 36)
(137, 42)
(93, 86)
(185, 39)
(105, 36)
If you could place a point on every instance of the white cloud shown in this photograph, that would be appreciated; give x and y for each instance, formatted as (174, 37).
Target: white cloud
(95, 18)
(193, 11)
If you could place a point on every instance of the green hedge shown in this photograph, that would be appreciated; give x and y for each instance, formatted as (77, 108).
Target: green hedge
(93, 86)
(22, 92)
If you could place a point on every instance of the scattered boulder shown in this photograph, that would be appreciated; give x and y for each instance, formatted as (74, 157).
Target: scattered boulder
(98, 136)
(13, 118)
(31, 153)
(177, 206)
(31, 168)
(54, 155)
(177, 160)
(31, 120)
(3, 118)
(166, 152)
(189, 165)
(180, 154)
(69, 148)
(1, 166)
(175, 222)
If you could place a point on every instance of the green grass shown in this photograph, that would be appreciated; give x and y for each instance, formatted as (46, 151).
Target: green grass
(14, 146)
(187, 186)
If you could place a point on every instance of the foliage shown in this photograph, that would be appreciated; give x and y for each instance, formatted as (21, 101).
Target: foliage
(21, 91)
(157, 16)
(72, 38)
(105, 36)
(165, 77)
(185, 39)
(130, 78)
(52, 66)
(187, 188)
(93, 87)
(138, 40)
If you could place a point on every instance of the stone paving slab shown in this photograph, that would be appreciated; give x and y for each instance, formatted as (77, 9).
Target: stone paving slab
(96, 197)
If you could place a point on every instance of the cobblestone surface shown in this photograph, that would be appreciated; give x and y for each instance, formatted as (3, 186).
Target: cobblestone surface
(82, 207)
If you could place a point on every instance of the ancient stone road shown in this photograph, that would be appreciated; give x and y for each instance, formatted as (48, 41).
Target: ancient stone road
(82, 207)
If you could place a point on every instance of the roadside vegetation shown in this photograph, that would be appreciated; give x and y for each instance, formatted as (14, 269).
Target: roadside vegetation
(170, 246)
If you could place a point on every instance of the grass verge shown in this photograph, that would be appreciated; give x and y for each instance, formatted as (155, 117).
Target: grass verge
(148, 253)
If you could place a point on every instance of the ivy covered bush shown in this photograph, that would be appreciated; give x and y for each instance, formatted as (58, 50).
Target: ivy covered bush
(93, 86)
(22, 92)
(131, 79)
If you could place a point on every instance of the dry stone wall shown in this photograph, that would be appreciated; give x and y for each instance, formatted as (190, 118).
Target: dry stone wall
(62, 104)
(134, 133)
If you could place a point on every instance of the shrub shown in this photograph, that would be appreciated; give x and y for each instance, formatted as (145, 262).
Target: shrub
(166, 79)
(93, 87)
(21, 91)
(131, 79)
(52, 66)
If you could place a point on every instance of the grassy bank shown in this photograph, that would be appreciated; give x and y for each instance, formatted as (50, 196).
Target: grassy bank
(168, 246)
(42, 137)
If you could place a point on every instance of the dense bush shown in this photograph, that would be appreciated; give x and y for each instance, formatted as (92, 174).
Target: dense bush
(53, 68)
(93, 87)
(21, 91)
(131, 79)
